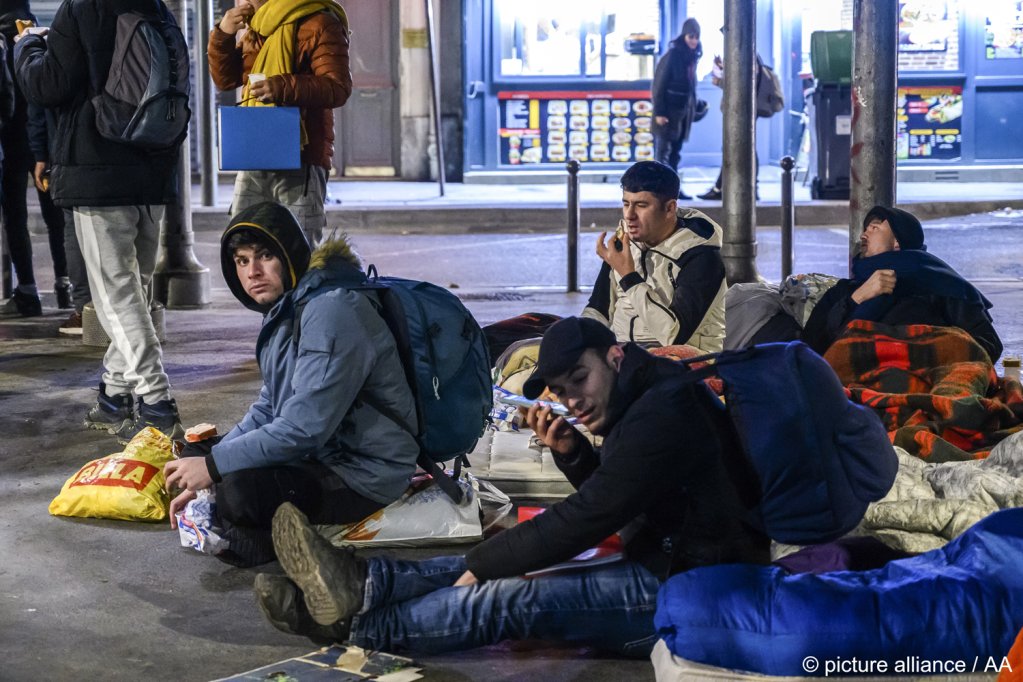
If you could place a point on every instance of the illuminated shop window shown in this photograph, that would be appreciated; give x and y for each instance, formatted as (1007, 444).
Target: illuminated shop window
(613, 40)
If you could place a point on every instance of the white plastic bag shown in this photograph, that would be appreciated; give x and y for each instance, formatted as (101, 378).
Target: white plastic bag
(195, 525)
(425, 515)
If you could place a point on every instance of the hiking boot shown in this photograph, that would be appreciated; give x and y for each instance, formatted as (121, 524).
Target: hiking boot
(23, 304)
(72, 325)
(281, 602)
(62, 288)
(161, 415)
(332, 579)
(111, 412)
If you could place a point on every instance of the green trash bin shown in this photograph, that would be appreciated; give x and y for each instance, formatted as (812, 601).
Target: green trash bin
(831, 56)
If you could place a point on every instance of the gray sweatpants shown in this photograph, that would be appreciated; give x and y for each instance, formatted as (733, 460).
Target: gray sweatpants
(303, 191)
(119, 244)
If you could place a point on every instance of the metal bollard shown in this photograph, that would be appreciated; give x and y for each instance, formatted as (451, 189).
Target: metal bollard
(788, 215)
(573, 225)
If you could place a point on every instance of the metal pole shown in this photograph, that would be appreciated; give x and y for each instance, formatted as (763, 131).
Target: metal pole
(180, 280)
(573, 225)
(738, 176)
(204, 102)
(874, 93)
(788, 215)
(435, 74)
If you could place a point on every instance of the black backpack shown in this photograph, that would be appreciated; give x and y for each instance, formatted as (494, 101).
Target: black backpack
(145, 100)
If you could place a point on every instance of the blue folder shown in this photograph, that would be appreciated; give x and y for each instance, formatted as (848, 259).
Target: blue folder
(259, 138)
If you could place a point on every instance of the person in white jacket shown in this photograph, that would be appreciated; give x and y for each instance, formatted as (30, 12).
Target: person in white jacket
(663, 280)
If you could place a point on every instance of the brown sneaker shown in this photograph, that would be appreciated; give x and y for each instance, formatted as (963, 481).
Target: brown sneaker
(72, 326)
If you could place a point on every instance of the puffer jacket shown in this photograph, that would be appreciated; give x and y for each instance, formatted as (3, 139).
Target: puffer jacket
(321, 52)
(676, 295)
(63, 73)
(318, 384)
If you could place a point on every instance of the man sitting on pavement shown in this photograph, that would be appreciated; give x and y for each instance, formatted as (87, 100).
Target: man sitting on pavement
(897, 282)
(666, 284)
(669, 472)
(317, 436)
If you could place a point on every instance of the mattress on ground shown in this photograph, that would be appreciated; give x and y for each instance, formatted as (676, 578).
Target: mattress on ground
(670, 668)
(962, 602)
(506, 459)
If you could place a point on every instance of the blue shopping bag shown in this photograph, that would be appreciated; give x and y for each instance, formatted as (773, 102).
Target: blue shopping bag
(259, 138)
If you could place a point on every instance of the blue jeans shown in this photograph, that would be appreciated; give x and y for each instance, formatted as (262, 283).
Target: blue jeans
(411, 605)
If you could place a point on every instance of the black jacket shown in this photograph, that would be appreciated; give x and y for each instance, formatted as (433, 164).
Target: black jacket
(64, 72)
(15, 146)
(670, 462)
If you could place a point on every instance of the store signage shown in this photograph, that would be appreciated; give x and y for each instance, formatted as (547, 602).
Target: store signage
(555, 126)
(930, 122)
(924, 26)
(1003, 30)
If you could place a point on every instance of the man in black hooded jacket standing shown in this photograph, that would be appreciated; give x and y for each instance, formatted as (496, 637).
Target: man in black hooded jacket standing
(117, 195)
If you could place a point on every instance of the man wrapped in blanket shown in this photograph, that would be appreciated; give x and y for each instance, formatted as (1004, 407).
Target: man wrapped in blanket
(897, 282)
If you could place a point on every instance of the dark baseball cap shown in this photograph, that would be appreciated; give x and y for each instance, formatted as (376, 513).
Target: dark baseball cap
(561, 347)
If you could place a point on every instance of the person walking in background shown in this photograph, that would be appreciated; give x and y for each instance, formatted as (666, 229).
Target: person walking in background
(17, 165)
(674, 96)
(300, 49)
(117, 193)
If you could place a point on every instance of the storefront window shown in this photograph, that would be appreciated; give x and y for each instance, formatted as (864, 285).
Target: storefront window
(613, 40)
(1003, 30)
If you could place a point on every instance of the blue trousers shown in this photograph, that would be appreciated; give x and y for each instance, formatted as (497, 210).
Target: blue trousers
(411, 605)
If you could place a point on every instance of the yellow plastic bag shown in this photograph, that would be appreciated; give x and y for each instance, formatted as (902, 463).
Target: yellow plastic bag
(128, 485)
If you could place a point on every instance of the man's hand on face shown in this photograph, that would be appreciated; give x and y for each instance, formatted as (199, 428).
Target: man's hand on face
(620, 261)
(880, 283)
(189, 473)
(553, 431)
(236, 18)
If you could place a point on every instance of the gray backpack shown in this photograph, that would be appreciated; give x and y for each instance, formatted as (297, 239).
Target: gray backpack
(145, 100)
(770, 98)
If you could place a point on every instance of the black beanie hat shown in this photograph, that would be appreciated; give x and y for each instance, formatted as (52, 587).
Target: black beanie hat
(905, 226)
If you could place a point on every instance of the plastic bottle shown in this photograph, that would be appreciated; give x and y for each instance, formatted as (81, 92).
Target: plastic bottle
(1010, 365)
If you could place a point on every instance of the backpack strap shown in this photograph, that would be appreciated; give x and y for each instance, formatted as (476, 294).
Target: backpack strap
(446, 483)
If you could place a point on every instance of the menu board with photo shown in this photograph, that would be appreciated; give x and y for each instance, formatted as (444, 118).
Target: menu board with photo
(1003, 31)
(929, 122)
(553, 127)
(924, 26)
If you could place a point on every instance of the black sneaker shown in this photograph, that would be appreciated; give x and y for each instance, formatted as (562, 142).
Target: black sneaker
(162, 416)
(62, 288)
(25, 305)
(281, 602)
(682, 196)
(111, 412)
(713, 194)
(332, 579)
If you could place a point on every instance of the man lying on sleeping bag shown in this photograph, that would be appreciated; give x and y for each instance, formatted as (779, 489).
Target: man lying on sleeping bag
(897, 282)
(668, 468)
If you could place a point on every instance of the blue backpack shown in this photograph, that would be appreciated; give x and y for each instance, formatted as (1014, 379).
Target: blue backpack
(447, 365)
(820, 458)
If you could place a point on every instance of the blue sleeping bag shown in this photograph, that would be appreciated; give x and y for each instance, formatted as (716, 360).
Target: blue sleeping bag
(959, 602)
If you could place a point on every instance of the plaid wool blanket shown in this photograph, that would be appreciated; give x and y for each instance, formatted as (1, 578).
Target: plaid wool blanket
(934, 388)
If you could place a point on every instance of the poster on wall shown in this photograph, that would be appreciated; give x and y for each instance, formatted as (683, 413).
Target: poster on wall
(553, 127)
(1003, 30)
(924, 26)
(929, 122)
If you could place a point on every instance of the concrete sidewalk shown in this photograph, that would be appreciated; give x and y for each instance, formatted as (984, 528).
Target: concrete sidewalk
(113, 600)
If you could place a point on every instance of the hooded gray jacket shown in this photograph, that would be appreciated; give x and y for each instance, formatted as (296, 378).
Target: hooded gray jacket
(314, 403)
